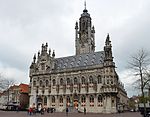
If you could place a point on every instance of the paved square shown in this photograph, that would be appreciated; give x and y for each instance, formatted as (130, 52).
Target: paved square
(25, 114)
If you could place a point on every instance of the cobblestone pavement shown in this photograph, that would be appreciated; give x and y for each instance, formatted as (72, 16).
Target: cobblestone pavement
(25, 114)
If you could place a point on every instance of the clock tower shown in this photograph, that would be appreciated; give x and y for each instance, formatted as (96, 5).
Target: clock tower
(84, 34)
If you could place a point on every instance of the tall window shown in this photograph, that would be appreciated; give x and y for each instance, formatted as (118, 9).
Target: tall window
(61, 81)
(61, 99)
(91, 80)
(99, 79)
(47, 83)
(68, 99)
(53, 99)
(75, 81)
(113, 103)
(34, 83)
(68, 81)
(45, 100)
(91, 99)
(41, 83)
(100, 101)
(83, 80)
(83, 99)
(54, 82)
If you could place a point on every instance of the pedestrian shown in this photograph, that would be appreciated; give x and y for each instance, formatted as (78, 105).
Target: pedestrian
(84, 110)
(30, 111)
(42, 111)
(67, 111)
(48, 109)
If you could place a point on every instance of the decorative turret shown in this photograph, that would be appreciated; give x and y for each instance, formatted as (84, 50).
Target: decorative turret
(108, 49)
(44, 62)
(38, 54)
(34, 58)
(44, 49)
(85, 37)
(53, 55)
(49, 52)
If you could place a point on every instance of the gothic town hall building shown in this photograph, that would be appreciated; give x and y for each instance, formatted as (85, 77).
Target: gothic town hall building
(85, 80)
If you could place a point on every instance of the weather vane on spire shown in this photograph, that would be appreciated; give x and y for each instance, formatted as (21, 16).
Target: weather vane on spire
(85, 4)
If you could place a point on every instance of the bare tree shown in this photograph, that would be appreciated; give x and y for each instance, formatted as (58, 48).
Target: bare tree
(5, 84)
(139, 65)
(147, 82)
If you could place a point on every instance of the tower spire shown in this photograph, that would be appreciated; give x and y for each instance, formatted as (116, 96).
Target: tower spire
(85, 10)
(85, 4)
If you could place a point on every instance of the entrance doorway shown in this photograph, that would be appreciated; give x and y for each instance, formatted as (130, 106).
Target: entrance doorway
(75, 102)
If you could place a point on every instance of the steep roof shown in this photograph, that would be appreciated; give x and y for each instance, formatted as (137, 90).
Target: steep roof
(24, 88)
(82, 60)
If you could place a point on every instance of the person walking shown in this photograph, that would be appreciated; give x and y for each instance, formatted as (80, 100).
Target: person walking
(84, 110)
(67, 111)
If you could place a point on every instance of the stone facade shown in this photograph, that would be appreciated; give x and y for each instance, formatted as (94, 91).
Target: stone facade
(85, 80)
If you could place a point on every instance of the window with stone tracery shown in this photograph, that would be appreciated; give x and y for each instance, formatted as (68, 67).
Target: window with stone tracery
(68, 99)
(75, 81)
(61, 81)
(53, 99)
(99, 78)
(83, 80)
(41, 83)
(47, 83)
(61, 99)
(91, 99)
(34, 83)
(83, 99)
(113, 102)
(68, 81)
(54, 82)
(91, 80)
(45, 100)
(100, 100)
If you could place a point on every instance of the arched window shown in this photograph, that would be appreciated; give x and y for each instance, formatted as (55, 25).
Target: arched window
(83, 80)
(53, 99)
(75, 81)
(83, 99)
(34, 83)
(99, 79)
(61, 81)
(54, 82)
(47, 83)
(100, 99)
(68, 81)
(68, 99)
(108, 80)
(91, 80)
(91, 99)
(61, 99)
(45, 100)
(41, 83)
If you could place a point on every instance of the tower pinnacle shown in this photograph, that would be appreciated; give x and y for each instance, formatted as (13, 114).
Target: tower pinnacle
(85, 4)
(85, 10)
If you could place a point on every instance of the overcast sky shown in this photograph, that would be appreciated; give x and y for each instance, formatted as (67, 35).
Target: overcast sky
(26, 24)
